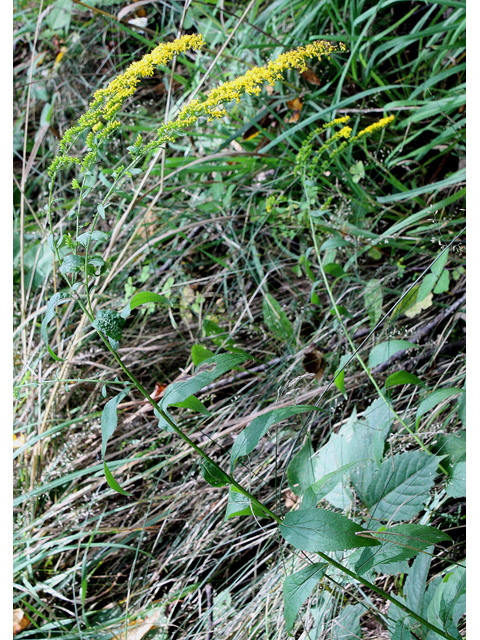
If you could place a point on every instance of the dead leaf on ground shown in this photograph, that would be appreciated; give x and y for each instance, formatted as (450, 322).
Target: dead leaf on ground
(291, 500)
(20, 621)
(311, 77)
(313, 362)
(296, 104)
(418, 307)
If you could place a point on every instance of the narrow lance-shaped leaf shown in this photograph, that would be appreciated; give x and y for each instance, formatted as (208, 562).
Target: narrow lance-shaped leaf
(109, 424)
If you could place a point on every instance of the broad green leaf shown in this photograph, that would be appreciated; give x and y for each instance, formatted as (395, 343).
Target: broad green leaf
(453, 446)
(400, 487)
(340, 374)
(94, 236)
(300, 472)
(456, 487)
(420, 306)
(247, 440)
(200, 353)
(440, 263)
(408, 301)
(55, 300)
(322, 530)
(334, 270)
(385, 350)
(403, 377)
(75, 264)
(108, 425)
(110, 323)
(276, 319)
(213, 475)
(433, 399)
(361, 447)
(322, 487)
(426, 286)
(448, 603)
(162, 423)
(240, 505)
(142, 297)
(462, 408)
(443, 282)
(346, 626)
(401, 631)
(297, 587)
(373, 301)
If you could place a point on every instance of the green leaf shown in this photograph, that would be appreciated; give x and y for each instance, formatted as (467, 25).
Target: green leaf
(426, 286)
(142, 297)
(276, 319)
(401, 631)
(322, 487)
(402, 377)
(110, 323)
(56, 299)
(300, 472)
(455, 178)
(405, 541)
(339, 378)
(95, 236)
(416, 581)
(334, 270)
(462, 408)
(297, 587)
(373, 301)
(199, 354)
(194, 404)
(322, 530)
(101, 211)
(385, 350)
(247, 440)
(439, 265)
(108, 425)
(59, 17)
(432, 400)
(457, 486)
(408, 301)
(379, 418)
(443, 283)
(213, 475)
(453, 446)
(448, 603)
(399, 489)
(346, 626)
(75, 264)
(240, 505)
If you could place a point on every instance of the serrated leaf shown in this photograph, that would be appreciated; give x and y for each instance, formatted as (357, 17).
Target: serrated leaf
(213, 475)
(300, 471)
(247, 440)
(453, 446)
(95, 236)
(401, 631)
(402, 377)
(200, 353)
(240, 505)
(416, 581)
(457, 486)
(142, 297)
(426, 286)
(379, 418)
(385, 350)
(346, 626)
(75, 264)
(108, 425)
(432, 400)
(405, 541)
(373, 301)
(276, 319)
(322, 530)
(443, 282)
(439, 265)
(297, 587)
(400, 487)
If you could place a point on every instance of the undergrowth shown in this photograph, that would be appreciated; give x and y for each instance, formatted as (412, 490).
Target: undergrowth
(288, 273)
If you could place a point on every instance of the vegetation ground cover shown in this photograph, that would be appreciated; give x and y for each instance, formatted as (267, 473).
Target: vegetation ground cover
(284, 244)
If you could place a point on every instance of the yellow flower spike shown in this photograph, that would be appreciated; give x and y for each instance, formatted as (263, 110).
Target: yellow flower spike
(376, 125)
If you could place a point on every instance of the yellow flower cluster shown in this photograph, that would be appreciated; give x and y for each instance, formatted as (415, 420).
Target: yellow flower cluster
(108, 101)
(250, 83)
(376, 125)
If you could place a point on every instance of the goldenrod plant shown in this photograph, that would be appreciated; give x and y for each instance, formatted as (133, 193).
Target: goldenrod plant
(373, 536)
